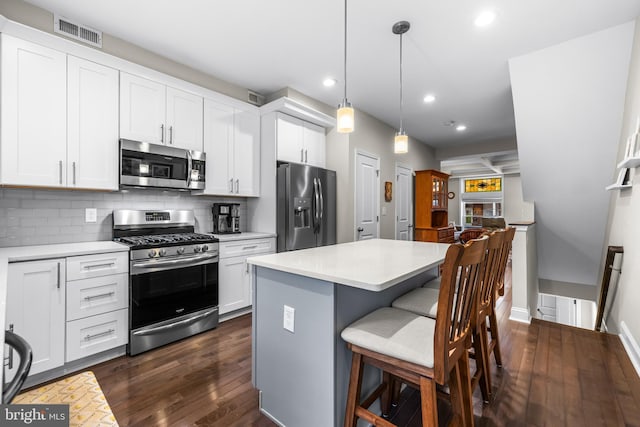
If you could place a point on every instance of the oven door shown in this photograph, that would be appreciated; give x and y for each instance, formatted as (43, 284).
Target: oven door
(169, 303)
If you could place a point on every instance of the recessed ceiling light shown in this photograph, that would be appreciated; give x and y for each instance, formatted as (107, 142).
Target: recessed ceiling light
(461, 128)
(485, 18)
(329, 82)
(429, 98)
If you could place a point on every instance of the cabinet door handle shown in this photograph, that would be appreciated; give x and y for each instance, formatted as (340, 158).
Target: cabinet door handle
(58, 276)
(99, 334)
(305, 155)
(74, 173)
(301, 155)
(162, 133)
(360, 229)
(106, 294)
(237, 186)
(244, 248)
(60, 170)
(171, 135)
(231, 185)
(105, 265)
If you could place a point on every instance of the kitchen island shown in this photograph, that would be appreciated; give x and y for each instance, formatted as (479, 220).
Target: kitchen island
(303, 300)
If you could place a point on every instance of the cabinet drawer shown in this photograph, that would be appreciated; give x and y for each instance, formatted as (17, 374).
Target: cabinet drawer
(94, 334)
(247, 247)
(86, 266)
(88, 297)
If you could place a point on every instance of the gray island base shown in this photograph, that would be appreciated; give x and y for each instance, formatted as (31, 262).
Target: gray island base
(303, 300)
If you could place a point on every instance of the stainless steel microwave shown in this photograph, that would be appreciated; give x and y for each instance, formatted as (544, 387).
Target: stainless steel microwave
(158, 166)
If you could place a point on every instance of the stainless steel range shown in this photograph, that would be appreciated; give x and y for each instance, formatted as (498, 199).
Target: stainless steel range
(173, 282)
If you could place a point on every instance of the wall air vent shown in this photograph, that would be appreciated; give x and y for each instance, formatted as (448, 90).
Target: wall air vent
(255, 98)
(77, 31)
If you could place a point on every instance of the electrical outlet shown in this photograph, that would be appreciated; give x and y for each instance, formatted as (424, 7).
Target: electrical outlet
(288, 320)
(90, 215)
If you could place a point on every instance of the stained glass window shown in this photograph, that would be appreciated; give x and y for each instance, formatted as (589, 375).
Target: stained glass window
(481, 185)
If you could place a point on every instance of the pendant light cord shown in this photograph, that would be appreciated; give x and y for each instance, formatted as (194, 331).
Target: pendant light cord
(401, 127)
(345, 52)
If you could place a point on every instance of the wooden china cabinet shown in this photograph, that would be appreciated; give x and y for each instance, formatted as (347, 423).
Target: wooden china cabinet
(432, 216)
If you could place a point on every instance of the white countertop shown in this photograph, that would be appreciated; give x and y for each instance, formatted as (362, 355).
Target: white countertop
(245, 235)
(367, 264)
(29, 253)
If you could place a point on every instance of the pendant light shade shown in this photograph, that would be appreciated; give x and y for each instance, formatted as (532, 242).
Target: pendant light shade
(345, 116)
(401, 140)
(401, 143)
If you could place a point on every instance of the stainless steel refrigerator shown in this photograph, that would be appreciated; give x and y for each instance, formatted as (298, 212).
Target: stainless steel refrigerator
(306, 207)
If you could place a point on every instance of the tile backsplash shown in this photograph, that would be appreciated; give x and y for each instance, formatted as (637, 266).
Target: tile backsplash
(37, 217)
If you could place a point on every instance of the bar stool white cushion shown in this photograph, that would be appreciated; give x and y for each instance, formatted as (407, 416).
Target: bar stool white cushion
(422, 301)
(395, 333)
(433, 284)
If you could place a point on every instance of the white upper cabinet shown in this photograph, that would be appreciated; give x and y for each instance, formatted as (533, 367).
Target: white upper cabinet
(34, 127)
(232, 144)
(314, 145)
(142, 109)
(184, 119)
(155, 113)
(92, 114)
(299, 141)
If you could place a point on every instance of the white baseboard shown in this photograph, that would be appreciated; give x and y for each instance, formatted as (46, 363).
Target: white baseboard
(520, 315)
(631, 346)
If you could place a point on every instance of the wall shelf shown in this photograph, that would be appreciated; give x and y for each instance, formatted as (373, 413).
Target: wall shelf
(630, 162)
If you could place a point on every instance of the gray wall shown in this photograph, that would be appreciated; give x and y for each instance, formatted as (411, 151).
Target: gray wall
(374, 137)
(568, 102)
(37, 217)
(624, 227)
(33, 16)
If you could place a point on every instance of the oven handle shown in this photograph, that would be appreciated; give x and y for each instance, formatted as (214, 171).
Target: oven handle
(173, 325)
(182, 261)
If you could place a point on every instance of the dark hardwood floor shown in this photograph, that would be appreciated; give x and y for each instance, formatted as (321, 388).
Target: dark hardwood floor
(553, 375)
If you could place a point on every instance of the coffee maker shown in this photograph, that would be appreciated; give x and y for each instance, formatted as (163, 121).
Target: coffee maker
(226, 218)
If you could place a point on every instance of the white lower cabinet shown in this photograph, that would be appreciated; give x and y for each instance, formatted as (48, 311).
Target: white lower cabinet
(67, 308)
(97, 304)
(234, 274)
(235, 284)
(93, 334)
(35, 311)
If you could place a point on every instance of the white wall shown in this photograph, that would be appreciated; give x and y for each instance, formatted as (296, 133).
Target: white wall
(568, 102)
(515, 208)
(624, 227)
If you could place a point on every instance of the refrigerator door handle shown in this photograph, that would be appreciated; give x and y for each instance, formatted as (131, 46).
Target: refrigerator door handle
(321, 200)
(316, 211)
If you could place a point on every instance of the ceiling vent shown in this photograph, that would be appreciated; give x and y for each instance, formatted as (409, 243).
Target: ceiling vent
(77, 31)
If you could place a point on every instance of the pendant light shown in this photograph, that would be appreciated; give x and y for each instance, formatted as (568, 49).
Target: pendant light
(401, 140)
(345, 110)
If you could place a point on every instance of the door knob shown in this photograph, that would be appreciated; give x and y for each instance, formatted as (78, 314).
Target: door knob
(360, 229)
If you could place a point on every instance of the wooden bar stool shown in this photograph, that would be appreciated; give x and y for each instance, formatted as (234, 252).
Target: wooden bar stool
(494, 342)
(483, 307)
(423, 301)
(419, 350)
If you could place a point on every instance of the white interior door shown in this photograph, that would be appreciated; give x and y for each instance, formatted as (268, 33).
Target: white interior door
(367, 196)
(404, 203)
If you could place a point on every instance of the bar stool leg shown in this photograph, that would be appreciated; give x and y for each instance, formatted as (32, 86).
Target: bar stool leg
(460, 388)
(353, 395)
(428, 402)
(493, 325)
